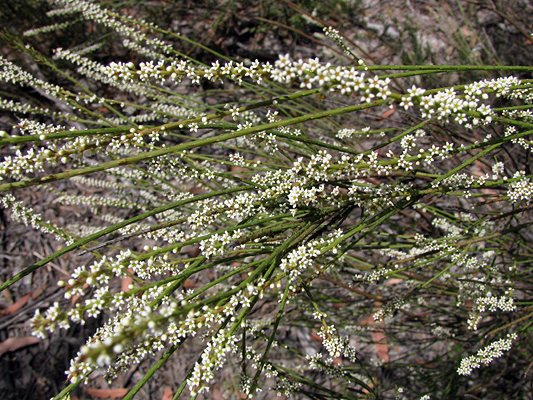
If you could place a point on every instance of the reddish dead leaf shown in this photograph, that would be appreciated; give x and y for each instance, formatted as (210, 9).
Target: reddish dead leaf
(378, 336)
(339, 305)
(126, 281)
(422, 362)
(167, 395)
(107, 393)
(188, 284)
(382, 349)
(375, 181)
(388, 113)
(480, 169)
(37, 293)
(216, 395)
(15, 306)
(76, 297)
(235, 168)
(16, 343)
(125, 284)
(472, 35)
(315, 338)
(20, 303)
(393, 281)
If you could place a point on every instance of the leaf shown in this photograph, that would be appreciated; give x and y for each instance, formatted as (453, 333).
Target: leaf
(314, 337)
(388, 113)
(188, 284)
(16, 343)
(242, 395)
(425, 364)
(125, 284)
(76, 297)
(337, 361)
(20, 303)
(126, 281)
(15, 306)
(108, 393)
(393, 281)
(167, 395)
(218, 396)
(379, 337)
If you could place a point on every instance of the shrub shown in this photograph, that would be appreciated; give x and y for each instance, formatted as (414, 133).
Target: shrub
(341, 198)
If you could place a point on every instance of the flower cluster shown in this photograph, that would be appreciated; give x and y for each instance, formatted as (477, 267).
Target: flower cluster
(492, 303)
(213, 358)
(218, 243)
(335, 344)
(521, 188)
(302, 258)
(30, 218)
(9, 72)
(487, 355)
(134, 38)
